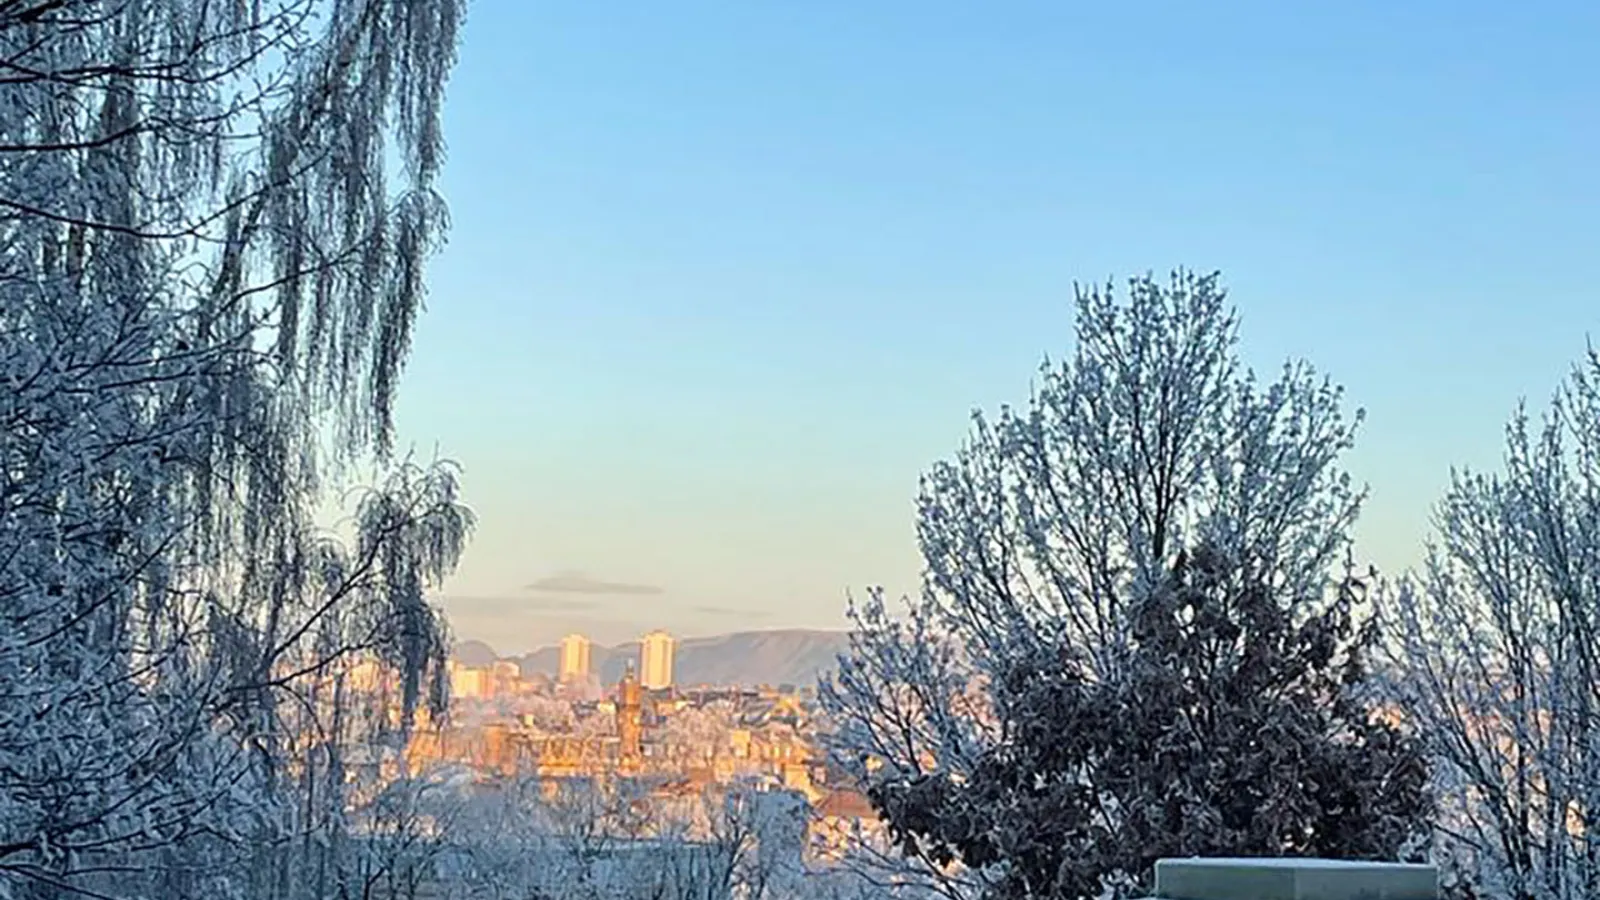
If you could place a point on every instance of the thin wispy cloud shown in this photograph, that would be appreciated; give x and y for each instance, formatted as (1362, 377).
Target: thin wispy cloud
(727, 612)
(576, 583)
(503, 605)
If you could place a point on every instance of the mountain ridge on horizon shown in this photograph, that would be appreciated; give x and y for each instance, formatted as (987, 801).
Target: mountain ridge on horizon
(743, 658)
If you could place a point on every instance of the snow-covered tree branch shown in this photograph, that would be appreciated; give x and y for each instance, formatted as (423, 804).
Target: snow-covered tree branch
(207, 287)
(1497, 658)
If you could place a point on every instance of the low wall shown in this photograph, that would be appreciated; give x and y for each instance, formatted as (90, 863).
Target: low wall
(1293, 879)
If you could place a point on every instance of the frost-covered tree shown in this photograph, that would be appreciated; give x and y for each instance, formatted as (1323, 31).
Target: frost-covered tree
(1497, 656)
(209, 273)
(404, 835)
(698, 732)
(1229, 731)
(548, 715)
(1051, 528)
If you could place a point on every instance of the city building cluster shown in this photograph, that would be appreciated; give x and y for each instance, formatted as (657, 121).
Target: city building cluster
(566, 724)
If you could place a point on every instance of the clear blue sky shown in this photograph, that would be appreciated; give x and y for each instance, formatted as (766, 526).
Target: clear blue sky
(725, 277)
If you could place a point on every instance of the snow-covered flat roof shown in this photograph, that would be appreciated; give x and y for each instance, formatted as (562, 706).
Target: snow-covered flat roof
(1290, 862)
(1271, 878)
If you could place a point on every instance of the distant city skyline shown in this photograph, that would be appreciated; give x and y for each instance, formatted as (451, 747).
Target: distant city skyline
(711, 305)
(772, 656)
(654, 665)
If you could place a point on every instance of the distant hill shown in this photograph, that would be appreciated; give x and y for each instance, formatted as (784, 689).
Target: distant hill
(474, 653)
(789, 656)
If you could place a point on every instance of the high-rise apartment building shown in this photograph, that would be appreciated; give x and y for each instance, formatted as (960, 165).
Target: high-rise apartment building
(471, 683)
(574, 658)
(655, 660)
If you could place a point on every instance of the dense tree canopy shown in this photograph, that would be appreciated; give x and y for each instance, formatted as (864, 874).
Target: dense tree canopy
(1030, 706)
(1230, 731)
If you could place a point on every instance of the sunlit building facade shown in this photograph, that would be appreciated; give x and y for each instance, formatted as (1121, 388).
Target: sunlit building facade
(471, 683)
(575, 650)
(656, 653)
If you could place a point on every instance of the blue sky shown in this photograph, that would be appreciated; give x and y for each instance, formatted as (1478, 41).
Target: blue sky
(725, 277)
